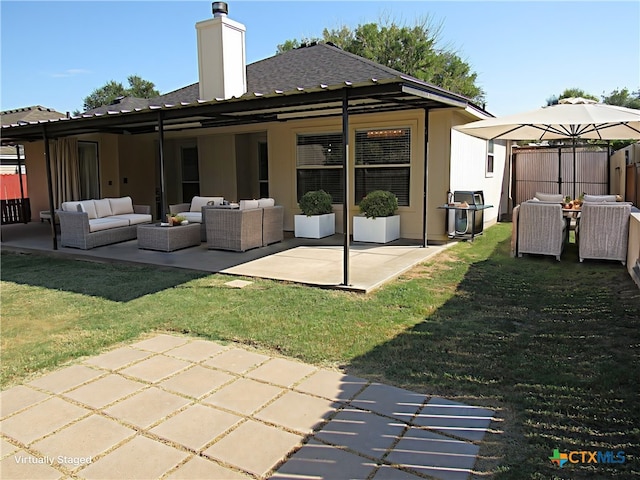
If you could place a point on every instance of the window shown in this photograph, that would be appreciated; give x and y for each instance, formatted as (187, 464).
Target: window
(489, 167)
(190, 173)
(383, 158)
(263, 169)
(319, 164)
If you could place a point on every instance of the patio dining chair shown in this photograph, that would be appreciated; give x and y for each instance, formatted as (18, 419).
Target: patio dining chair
(603, 231)
(540, 229)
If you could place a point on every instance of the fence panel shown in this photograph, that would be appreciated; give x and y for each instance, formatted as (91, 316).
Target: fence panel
(15, 211)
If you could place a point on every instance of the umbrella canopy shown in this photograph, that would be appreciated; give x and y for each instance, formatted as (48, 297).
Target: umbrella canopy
(573, 118)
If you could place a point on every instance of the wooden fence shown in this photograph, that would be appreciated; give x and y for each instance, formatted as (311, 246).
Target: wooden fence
(15, 211)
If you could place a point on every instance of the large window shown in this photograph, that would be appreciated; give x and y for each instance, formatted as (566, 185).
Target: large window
(383, 158)
(489, 166)
(190, 172)
(319, 164)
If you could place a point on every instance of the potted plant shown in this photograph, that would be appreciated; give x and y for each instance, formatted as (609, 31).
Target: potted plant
(378, 222)
(317, 219)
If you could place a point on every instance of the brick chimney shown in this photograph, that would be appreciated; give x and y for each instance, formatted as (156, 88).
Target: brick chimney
(221, 55)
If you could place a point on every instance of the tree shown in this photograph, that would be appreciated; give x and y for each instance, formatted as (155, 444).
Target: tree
(623, 98)
(411, 50)
(106, 94)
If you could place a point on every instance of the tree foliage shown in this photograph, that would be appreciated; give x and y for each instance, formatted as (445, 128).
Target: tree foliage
(411, 50)
(105, 95)
(623, 98)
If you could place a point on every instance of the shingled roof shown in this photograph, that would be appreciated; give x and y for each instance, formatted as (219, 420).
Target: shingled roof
(28, 114)
(305, 67)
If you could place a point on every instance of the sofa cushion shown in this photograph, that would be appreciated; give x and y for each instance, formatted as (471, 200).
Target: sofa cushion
(599, 198)
(103, 208)
(266, 202)
(98, 224)
(89, 207)
(134, 218)
(121, 206)
(70, 206)
(549, 197)
(198, 202)
(247, 204)
(193, 217)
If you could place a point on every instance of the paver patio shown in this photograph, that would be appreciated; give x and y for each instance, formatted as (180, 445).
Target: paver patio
(176, 407)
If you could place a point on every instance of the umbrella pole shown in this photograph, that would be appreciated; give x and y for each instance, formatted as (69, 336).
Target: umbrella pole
(574, 167)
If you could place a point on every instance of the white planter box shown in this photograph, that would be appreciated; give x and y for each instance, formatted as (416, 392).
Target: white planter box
(376, 230)
(315, 226)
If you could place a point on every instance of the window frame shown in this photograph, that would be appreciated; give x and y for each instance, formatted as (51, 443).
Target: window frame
(405, 165)
(336, 200)
(489, 166)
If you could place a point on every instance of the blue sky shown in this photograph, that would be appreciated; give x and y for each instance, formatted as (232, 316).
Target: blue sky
(56, 53)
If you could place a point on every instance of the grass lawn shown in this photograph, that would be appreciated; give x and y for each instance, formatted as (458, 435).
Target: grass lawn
(552, 347)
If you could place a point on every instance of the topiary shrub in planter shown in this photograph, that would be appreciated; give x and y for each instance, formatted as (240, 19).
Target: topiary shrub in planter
(378, 224)
(317, 219)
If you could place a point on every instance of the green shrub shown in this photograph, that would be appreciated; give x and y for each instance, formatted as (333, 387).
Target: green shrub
(379, 203)
(316, 202)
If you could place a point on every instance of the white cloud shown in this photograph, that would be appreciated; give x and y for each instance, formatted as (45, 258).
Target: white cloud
(72, 72)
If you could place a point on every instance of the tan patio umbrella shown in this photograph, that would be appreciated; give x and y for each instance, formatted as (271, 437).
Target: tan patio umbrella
(571, 118)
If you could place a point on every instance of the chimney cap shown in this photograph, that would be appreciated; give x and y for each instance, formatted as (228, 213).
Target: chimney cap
(219, 9)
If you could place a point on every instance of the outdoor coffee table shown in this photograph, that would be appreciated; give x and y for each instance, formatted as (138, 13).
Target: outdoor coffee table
(168, 239)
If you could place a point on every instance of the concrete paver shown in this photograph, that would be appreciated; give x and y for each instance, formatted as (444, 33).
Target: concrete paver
(118, 358)
(18, 398)
(176, 407)
(196, 426)
(40, 420)
(297, 411)
(87, 438)
(147, 407)
(197, 381)
(333, 463)
(244, 396)
(254, 447)
(66, 379)
(141, 458)
(363, 432)
(236, 360)
(104, 391)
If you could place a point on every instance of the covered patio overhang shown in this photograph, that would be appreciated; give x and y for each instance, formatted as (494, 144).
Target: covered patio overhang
(343, 100)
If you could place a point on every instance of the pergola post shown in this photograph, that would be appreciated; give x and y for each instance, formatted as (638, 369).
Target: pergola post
(163, 193)
(426, 178)
(47, 156)
(345, 200)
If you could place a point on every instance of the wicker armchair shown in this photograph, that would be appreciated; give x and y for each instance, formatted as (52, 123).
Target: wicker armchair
(541, 229)
(272, 224)
(233, 229)
(603, 231)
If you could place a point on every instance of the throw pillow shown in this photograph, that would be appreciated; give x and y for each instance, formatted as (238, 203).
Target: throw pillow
(198, 202)
(599, 198)
(89, 207)
(103, 208)
(247, 204)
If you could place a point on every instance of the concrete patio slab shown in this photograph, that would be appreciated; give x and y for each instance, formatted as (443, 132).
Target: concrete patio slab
(371, 265)
(228, 412)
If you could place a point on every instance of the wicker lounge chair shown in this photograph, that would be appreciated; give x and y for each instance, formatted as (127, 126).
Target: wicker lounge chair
(233, 229)
(540, 229)
(272, 224)
(603, 231)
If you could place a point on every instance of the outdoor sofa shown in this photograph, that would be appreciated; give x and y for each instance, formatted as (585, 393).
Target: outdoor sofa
(91, 223)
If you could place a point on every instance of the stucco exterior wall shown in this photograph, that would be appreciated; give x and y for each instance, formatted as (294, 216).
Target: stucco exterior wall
(228, 165)
(36, 169)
